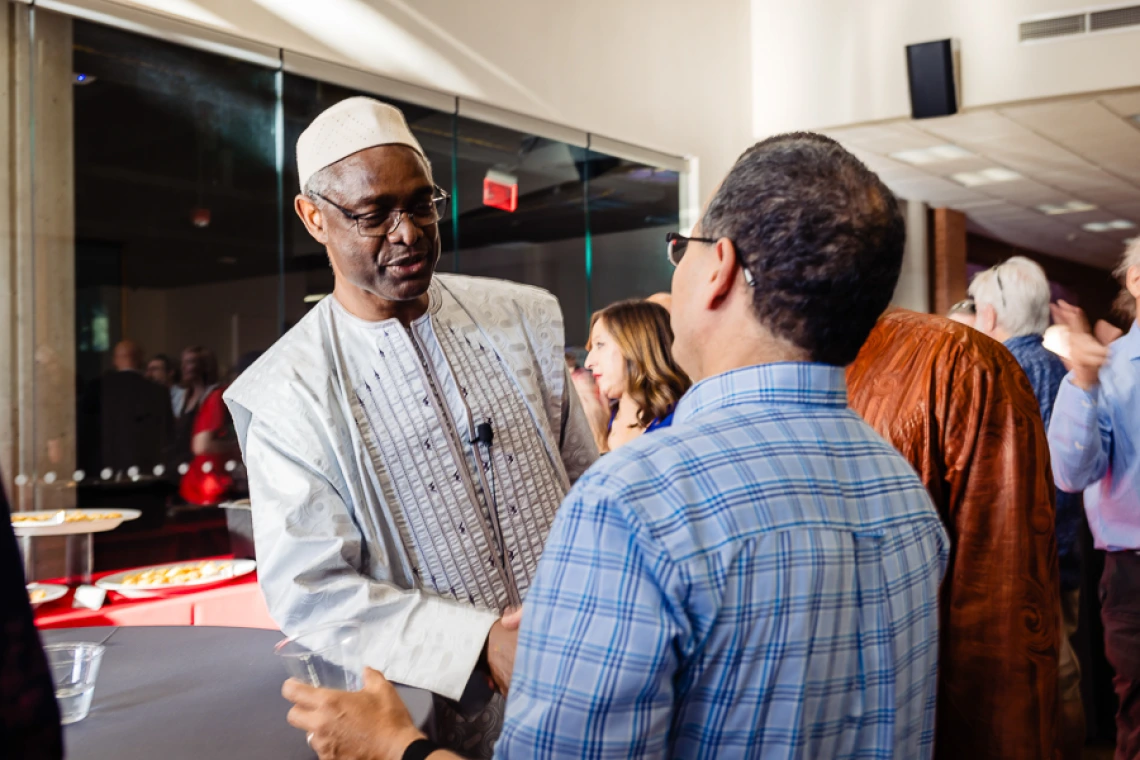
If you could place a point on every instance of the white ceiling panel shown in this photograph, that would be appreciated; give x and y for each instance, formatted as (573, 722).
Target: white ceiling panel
(1089, 130)
(1127, 104)
(1079, 149)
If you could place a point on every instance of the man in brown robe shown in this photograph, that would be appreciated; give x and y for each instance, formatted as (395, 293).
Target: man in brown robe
(958, 406)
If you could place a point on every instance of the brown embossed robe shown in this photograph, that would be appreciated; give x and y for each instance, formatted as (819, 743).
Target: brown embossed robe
(958, 406)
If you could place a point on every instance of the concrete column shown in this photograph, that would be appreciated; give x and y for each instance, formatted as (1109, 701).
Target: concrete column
(949, 249)
(913, 290)
(53, 248)
(37, 265)
(9, 406)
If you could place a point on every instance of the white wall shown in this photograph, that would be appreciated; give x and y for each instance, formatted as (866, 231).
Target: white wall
(672, 75)
(824, 63)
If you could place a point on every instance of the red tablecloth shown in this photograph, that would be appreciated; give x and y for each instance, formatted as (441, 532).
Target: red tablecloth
(237, 604)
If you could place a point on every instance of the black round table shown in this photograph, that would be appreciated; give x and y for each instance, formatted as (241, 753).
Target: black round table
(190, 693)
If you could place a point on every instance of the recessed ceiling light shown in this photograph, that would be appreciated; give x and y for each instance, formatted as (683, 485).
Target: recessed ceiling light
(933, 155)
(314, 297)
(1115, 224)
(1072, 207)
(989, 176)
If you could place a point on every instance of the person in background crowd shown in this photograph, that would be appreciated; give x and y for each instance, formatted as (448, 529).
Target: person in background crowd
(1095, 440)
(214, 444)
(161, 370)
(1013, 307)
(957, 405)
(126, 418)
(664, 300)
(199, 377)
(409, 441)
(964, 312)
(760, 579)
(29, 715)
(631, 359)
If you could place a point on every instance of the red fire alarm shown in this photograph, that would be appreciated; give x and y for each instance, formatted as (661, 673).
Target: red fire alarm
(501, 191)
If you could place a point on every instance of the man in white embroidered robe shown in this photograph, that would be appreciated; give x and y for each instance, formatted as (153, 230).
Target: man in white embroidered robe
(377, 495)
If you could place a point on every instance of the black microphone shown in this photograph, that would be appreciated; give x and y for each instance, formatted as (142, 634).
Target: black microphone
(484, 434)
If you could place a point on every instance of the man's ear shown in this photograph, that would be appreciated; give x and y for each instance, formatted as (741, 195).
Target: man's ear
(312, 218)
(986, 320)
(723, 271)
(1132, 281)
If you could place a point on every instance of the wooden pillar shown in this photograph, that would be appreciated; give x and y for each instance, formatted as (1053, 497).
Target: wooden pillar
(948, 250)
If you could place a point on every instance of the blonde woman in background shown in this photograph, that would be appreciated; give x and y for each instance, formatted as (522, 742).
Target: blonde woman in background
(631, 358)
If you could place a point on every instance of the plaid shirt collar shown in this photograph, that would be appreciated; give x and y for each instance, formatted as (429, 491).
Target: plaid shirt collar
(781, 383)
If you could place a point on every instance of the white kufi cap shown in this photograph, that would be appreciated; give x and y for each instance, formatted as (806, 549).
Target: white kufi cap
(349, 127)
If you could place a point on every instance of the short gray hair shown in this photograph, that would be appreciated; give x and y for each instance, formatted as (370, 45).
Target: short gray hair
(1131, 258)
(1018, 292)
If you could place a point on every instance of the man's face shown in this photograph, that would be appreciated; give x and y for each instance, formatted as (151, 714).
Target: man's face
(684, 312)
(399, 265)
(156, 372)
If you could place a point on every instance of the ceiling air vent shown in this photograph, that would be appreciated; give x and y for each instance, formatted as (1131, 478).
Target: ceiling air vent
(1115, 18)
(1068, 25)
(1051, 27)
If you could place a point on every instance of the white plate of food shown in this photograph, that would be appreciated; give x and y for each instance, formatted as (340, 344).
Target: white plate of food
(42, 593)
(61, 522)
(176, 576)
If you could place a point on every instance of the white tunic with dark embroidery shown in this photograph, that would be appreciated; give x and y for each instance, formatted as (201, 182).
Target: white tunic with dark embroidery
(370, 500)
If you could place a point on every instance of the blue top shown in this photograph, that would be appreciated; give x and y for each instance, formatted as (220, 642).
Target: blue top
(659, 422)
(760, 580)
(1093, 439)
(1046, 371)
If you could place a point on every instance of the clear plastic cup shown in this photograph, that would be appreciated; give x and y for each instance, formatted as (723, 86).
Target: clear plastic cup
(328, 657)
(74, 668)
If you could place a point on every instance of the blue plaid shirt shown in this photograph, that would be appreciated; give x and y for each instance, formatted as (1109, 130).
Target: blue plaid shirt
(759, 580)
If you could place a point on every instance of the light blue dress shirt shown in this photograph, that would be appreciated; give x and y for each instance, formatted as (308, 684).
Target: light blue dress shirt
(759, 580)
(1093, 440)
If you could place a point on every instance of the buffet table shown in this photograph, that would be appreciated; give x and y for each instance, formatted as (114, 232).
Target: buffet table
(192, 693)
(237, 604)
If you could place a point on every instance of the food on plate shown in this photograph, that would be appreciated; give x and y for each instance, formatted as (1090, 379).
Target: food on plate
(91, 516)
(72, 517)
(19, 519)
(179, 574)
(37, 595)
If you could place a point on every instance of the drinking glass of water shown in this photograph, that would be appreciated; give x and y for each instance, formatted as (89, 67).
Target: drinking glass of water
(74, 668)
(328, 657)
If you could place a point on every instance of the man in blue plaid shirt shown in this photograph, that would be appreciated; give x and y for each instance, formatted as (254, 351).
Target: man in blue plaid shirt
(761, 579)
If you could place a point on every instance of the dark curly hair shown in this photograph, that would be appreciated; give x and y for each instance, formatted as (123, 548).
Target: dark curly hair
(822, 236)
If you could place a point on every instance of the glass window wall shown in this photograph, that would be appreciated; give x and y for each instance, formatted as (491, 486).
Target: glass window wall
(166, 250)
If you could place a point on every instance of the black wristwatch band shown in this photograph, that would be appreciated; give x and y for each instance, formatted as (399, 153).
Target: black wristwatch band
(420, 749)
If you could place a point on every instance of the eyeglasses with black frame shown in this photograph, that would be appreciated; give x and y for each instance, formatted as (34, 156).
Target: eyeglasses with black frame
(381, 224)
(676, 245)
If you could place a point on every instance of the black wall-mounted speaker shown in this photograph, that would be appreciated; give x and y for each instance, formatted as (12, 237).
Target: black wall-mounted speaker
(931, 71)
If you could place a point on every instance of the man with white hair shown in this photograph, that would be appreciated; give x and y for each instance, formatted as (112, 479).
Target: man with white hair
(409, 441)
(1012, 306)
(1094, 439)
